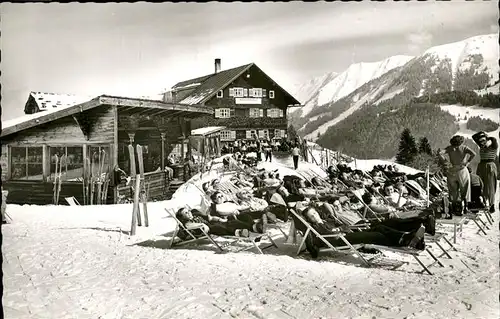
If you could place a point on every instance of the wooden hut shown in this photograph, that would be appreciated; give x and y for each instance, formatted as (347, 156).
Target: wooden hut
(96, 131)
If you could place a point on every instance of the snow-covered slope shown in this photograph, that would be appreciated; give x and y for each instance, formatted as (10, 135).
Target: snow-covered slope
(463, 113)
(307, 91)
(357, 75)
(331, 87)
(462, 55)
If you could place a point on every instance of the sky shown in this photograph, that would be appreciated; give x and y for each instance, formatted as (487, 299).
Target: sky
(140, 49)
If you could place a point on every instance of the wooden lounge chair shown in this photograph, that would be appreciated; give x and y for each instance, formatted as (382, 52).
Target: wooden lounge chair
(305, 228)
(354, 249)
(254, 240)
(72, 201)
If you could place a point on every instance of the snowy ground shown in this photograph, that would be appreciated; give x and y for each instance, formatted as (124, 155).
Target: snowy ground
(80, 262)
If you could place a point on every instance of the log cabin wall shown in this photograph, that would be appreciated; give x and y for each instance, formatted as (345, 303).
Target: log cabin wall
(65, 134)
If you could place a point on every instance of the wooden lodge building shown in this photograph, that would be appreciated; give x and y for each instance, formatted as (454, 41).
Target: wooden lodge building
(245, 100)
(55, 124)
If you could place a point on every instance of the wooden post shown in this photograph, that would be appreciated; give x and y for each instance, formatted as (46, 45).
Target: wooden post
(163, 136)
(45, 162)
(115, 151)
(428, 188)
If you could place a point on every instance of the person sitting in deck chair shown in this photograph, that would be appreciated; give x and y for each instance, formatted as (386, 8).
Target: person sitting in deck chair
(216, 225)
(378, 234)
(231, 210)
(404, 222)
(394, 195)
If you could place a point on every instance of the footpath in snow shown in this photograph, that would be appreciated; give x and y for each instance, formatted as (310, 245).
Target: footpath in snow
(79, 262)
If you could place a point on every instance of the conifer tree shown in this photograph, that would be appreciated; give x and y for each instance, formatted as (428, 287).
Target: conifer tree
(407, 148)
(424, 146)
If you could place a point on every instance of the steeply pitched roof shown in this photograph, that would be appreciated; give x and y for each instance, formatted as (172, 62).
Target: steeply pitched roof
(207, 86)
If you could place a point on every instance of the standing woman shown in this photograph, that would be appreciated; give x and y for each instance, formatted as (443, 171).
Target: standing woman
(458, 176)
(487, 168)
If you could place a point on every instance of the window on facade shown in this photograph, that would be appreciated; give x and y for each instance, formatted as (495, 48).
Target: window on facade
(271, 94)
(220, 94)
(100, 159)
(275, 113)
(279, 133)
(27, 163)
(264, 134)
(223, 113)
(71, 159)
(251, 134)
(255, 112)
(237, 92)
(227, 135)
(255, 92)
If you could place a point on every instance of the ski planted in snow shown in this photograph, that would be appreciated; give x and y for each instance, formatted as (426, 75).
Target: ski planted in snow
(142, 190)
(133, 174)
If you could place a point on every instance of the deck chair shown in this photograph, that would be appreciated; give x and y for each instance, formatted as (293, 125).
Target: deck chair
(254, 240)
(305, 228)
(72, 201)
(359, 195)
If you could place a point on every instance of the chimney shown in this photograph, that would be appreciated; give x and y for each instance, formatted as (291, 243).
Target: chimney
(217, 65)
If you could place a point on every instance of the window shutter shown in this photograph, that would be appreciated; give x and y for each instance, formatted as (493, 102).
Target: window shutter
(261, 133)
(249, 135)
(263, 92)
(232, 112)
(233, 135)
(217, 113)
(245, 92)
(282, 133)
(231, 92)
(251, 93)
(261, 111)
(281, 112)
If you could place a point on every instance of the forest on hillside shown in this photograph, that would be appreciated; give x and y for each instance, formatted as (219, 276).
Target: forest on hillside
(374, 132)
(465, 98)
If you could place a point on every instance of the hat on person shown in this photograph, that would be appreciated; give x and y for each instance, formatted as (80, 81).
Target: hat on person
(457, 140)
(272, 183)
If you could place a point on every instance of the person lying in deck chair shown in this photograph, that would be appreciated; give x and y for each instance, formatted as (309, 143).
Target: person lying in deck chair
(405, 222)
(377, 235)
(227, 209)
(216, 225)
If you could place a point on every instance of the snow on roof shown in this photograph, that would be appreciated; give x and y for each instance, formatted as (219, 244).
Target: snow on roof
(49, 101)
(66, 101)
(191, 85)
(197, 97)
(207, 130)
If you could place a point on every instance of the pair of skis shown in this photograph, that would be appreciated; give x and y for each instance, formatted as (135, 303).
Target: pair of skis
(140, 192)
(95, 187)
(57, 177)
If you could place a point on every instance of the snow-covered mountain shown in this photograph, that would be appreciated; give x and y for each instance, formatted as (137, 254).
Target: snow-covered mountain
(471, 64)
(331, 87)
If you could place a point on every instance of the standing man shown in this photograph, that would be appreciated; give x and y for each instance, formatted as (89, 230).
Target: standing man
(268, 151)
(487, 168)
(295, 156)
(458, 176)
